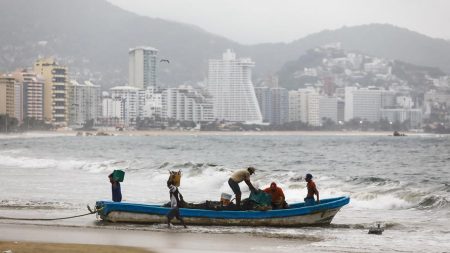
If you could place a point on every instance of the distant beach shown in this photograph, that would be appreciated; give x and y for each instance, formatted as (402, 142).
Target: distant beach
(100, 132)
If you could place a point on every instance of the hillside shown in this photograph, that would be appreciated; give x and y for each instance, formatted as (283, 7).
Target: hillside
(93, 37)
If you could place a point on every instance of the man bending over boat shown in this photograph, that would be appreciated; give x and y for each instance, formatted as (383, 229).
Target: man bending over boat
(312, 190)
(175, 203)
(237, 177)
(277, 194)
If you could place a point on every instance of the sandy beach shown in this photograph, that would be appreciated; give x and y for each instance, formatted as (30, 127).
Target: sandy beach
(26, 238)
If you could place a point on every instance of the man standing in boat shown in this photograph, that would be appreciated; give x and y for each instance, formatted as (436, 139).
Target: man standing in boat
(312, 190)
(237, 177)
(175, 203)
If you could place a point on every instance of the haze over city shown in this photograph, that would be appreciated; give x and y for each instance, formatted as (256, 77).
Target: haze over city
(258, 21)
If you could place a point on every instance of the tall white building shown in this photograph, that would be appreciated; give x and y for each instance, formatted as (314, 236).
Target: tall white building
(314, 109)
(142, 67)
(111, 110)
(348, 109)
(298, 104)
(230, 84)
(85, 102)
(152, 107)
(129, 103)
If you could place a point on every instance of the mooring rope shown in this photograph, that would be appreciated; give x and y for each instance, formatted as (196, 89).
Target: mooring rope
(50, 219)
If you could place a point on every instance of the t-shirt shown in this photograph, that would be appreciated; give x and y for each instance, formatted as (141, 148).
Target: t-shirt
(173, 200)
(240, 175)
(277, 195)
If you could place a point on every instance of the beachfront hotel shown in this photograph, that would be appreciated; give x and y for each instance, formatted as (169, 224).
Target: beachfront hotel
(231, 87)
(85, 102)
(142, 67)
(55, 90)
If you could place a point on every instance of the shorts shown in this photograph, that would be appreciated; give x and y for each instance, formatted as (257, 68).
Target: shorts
(309, 201)
(234, 186)
(174, 213)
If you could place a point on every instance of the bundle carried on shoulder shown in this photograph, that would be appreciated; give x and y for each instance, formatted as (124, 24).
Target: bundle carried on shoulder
(175, 177)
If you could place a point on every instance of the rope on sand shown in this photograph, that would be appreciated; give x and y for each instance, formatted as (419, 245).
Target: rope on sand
(50, 219)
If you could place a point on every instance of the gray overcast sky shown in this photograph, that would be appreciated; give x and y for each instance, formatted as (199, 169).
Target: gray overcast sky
(256, 21)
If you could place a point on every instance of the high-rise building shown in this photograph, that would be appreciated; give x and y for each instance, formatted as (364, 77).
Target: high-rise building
(142, 67)
(32, 91)
(264, 97)
(111, 110)
(314, 109)
(7, 96)
(280, 106)
(274, 104)
(328, 107)
(364, 103)
(129, 97)
(56, 90)
(85, 102)
(298, 104)
(231, 87)
(152, 103)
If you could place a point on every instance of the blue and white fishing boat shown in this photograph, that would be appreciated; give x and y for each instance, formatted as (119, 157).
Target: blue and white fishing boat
(297, 215)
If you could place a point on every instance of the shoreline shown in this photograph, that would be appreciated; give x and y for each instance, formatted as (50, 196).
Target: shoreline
(164, 241)
(107, 133)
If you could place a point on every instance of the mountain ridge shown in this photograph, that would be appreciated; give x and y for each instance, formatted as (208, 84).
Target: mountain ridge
(92, 37)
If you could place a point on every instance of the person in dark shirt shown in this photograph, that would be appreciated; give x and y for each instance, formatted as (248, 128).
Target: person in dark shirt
(312, 190)
(176, 200)
(115, 188)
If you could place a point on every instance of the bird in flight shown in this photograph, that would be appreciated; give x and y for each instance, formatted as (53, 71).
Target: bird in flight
(164, 60)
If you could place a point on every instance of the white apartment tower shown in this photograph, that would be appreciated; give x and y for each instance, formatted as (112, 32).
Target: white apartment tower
(129, 103)
(230, 84)
(85, 102)
(142, 67)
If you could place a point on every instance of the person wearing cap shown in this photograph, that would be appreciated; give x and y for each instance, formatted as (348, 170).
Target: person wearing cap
(277, 194)
(312, 190)
(237, 177)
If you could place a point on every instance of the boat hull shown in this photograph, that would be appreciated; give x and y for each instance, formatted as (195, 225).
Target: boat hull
(297, 216)
(319, 218)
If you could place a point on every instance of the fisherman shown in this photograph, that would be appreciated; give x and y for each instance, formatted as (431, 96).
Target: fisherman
(176, 200)
(312, 190)
(115, 188)
(278, 199)
(237, 177)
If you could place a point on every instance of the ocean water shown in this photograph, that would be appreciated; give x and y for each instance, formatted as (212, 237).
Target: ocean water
(401, 182)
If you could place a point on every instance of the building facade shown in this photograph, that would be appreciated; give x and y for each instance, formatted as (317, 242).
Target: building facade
(56, 90)
(85, 102)
(129, 103)
(231, 87)
(32, 94)
(186, 104)
(7, 96)
(142, 67)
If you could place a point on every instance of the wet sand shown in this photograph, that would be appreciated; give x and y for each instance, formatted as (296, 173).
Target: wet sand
(32, 247)
(165, 241)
